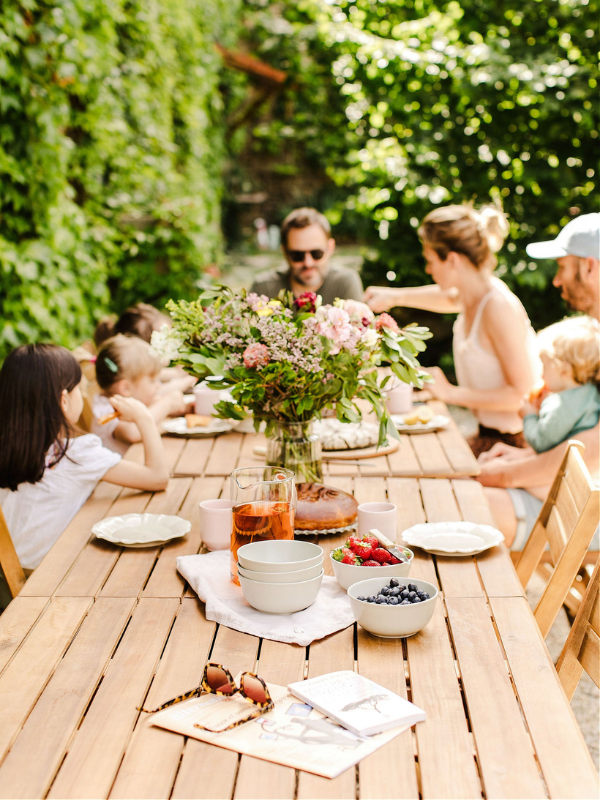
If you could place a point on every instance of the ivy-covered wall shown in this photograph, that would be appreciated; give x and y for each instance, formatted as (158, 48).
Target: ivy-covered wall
(110, 157)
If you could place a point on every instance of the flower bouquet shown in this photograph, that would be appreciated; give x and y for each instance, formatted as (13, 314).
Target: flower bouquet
(287, 360)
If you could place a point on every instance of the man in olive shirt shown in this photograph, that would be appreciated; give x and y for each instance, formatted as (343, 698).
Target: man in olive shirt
(308, 246)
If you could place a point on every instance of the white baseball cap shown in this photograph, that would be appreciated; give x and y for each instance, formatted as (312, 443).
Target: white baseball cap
(580, 237)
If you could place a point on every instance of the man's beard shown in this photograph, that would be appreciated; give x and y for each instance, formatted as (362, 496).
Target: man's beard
(575, 296)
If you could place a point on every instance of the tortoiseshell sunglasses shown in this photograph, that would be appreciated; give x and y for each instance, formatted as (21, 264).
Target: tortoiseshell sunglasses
(217, 679)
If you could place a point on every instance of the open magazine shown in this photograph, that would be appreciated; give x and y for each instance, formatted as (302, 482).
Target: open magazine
(360, 705)
(292, 733)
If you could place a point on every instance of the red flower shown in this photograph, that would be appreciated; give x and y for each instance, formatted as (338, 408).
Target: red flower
(256, 355)
(385, 321)
(307, 301)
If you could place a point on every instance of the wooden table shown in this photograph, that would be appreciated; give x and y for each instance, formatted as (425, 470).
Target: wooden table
(441, 454)
(99, 631)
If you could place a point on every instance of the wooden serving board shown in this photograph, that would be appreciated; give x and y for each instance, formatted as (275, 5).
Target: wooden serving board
(364, 452)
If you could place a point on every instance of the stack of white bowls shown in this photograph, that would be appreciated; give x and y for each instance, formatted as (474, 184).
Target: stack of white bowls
(280, 576)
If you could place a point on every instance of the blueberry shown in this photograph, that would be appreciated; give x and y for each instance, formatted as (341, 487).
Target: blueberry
(416, 600)
(402, 588)
(423, 595)
(412, 588)
(380, 599)
(395, 592)
(405, 603)
(371, 599)
(385, 590)
(394, 583)
(412, 594)
(360, 597)
(393, 601)
(404, 594)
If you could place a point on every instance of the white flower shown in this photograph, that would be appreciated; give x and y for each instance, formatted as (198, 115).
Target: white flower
(166, 342)
(369, 338)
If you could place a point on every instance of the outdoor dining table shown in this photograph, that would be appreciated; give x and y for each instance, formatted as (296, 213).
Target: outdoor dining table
(100, 631)
(444, 453)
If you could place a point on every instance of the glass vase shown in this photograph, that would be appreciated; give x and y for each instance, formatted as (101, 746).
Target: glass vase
(295, 446)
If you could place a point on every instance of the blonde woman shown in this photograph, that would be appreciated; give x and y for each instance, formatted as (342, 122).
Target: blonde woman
(495, 352)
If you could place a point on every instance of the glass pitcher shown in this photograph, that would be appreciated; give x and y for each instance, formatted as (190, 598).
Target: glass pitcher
(263, 501)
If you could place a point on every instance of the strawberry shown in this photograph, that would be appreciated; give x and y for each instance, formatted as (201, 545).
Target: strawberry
(352, 542)
(362, 549)
(382, 555)
(339, 553)
(394, 560)
(351, 558)
(372, 540)
(371, 563)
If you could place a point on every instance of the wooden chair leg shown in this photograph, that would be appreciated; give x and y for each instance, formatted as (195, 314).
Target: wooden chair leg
(11, 567)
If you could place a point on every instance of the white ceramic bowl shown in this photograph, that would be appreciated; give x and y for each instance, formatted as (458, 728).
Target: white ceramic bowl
(283, 577)
(391, 622)
(281, 598)
(279, 555)
(347, 574)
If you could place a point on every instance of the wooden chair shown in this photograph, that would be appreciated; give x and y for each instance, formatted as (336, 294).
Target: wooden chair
(566, 525)
(9, 562)
(582, 648)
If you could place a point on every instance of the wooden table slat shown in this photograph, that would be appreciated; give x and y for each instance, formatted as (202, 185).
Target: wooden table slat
(567, 765)
(194, 457)
(27, 674)
(97, 748)
(454, 445)
(17, 621)
(446, 760)
(61, 706)
(504, 750)
(152, 757)
(225, 454)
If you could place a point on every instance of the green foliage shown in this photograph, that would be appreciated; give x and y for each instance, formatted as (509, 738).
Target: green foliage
(408, 104)
(110, 157)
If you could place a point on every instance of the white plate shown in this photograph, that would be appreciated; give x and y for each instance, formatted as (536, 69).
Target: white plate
(437, 423)
(452, 538)
(178, 427)
(141, 530)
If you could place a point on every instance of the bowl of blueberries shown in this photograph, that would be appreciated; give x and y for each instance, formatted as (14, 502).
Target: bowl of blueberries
(392, 608)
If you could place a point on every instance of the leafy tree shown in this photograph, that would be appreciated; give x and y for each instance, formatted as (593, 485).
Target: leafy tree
(408, 104)
(110, 156)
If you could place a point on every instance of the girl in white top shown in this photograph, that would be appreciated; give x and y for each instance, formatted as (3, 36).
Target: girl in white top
(46, 475)
(495, 350)
(126, 365)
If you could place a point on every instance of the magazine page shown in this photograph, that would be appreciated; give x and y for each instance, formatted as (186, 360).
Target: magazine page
(292, 734)
(357, 702)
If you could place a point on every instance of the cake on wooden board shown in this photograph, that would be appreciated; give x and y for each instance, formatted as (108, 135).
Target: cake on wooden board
(323, 508)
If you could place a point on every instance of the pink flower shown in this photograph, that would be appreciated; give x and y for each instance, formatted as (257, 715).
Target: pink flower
(334, 324)
(359, 310)
(256, 302)
(385, 321)
(307, 302)
(256, 355)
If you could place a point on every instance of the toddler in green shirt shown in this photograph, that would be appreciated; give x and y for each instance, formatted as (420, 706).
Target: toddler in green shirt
(570, 354)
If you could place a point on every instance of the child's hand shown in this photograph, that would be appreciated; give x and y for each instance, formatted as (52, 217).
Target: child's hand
(527, 408)
(130, 409)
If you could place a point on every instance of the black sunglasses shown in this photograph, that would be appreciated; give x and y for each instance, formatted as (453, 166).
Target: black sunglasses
(298, 256)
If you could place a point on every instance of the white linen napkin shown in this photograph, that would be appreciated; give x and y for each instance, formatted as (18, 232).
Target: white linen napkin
(208, 575)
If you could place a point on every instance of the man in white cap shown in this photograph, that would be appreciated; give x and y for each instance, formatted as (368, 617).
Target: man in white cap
(577, 252)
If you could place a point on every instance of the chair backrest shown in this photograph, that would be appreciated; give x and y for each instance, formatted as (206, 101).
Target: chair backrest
(9, 561)
(566, 525)
(582, 648)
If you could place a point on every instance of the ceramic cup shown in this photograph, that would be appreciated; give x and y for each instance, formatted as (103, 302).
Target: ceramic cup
(399, 398)
(206, 398)
(216, 522)
(377, 515)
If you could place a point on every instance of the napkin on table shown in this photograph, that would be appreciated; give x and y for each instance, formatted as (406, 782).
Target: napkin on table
(208, 575)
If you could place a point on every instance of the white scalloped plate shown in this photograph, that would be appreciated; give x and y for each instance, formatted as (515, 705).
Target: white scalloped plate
(452, 538)
(435, 424)
(141, 530)
(177, 426)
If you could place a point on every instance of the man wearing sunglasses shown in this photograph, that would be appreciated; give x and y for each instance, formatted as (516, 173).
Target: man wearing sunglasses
(308, 246)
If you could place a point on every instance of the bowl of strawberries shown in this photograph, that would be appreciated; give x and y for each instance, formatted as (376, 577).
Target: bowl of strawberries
(359, 557)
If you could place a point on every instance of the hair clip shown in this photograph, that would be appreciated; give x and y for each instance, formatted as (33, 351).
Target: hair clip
(110, 364)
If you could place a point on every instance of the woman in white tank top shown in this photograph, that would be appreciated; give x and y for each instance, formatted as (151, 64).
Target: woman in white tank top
(495, 352)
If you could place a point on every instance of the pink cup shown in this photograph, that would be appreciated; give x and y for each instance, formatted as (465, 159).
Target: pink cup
(377, 515)
(399, 398)
(216, 522)
(206, 398)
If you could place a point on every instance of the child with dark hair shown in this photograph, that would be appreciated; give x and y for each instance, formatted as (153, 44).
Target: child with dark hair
(139, 320)
(126, 365)
(46, 474)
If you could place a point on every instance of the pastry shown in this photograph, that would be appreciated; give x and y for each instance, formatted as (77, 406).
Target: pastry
(322, 508)
(197, 420)
(336, 435)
